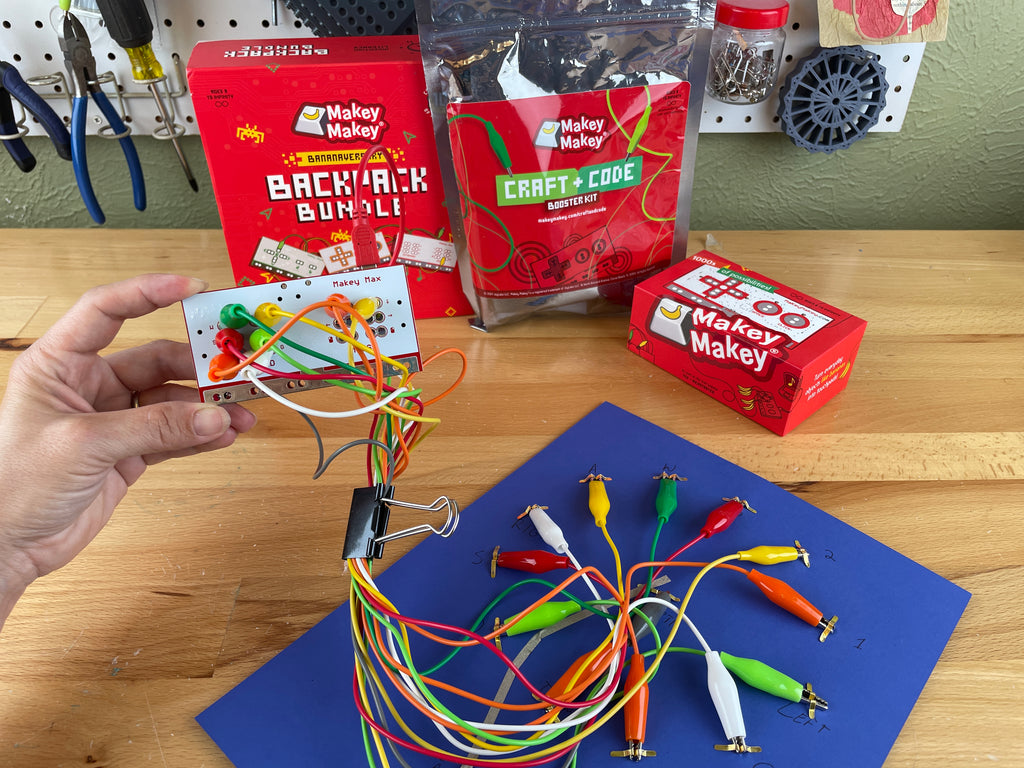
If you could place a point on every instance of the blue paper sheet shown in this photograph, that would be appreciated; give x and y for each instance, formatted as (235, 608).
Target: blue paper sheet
(895, 617)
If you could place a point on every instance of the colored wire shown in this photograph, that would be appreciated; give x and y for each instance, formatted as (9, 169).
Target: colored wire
(594, 721)
(323, 414)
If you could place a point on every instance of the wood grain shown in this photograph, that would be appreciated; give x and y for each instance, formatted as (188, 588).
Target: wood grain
(214, 564)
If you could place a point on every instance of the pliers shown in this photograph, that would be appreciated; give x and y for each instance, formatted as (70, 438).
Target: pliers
(12, 85)
(81, 66)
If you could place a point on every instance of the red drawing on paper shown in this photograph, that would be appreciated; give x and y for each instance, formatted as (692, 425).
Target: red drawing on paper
(879, 19)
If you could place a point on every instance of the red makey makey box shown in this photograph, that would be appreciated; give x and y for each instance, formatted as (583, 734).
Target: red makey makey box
(322, 156)
(765, 350)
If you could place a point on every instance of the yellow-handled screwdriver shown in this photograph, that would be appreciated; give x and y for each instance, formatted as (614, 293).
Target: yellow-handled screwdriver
(130, 26)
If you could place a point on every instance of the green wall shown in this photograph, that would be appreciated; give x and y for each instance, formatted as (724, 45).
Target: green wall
(958, 163)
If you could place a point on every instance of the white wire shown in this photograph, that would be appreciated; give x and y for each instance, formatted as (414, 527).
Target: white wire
(675, 609)
(582, 716)
(586, 579)
(252, 376)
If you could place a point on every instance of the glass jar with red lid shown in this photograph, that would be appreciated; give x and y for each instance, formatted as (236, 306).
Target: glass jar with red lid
(746, 49)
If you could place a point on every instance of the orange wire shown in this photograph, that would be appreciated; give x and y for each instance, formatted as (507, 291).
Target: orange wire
(522, 614)
(333, 303)
(388, 660)
(570, 695)
(462, 373)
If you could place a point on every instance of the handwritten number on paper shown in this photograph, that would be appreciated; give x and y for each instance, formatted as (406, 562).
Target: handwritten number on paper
(481, 556)
(859, 645)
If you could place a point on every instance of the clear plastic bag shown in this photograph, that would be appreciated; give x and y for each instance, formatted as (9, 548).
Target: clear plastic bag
(567, 133)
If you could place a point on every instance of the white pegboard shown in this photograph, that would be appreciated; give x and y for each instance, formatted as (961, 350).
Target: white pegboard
(901, 62)
(29, 39)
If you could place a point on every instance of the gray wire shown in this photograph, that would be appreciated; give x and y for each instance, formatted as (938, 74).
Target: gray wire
(323, 464)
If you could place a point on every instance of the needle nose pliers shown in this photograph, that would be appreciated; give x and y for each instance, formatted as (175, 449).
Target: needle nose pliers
(81, 66)
(12, 85)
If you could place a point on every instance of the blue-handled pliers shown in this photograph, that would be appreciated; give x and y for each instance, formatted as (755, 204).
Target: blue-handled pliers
(81, 66)
(12, 85)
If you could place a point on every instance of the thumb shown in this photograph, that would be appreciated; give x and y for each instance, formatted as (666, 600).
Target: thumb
(162, 428)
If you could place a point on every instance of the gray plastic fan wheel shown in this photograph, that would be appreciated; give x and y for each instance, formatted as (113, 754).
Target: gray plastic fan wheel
(832, 98)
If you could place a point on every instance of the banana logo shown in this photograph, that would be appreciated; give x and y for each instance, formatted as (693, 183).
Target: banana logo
(309, 120)
(547, 134)
(671, 314)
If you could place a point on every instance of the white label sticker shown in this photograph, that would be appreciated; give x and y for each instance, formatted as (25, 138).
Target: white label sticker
(342, 256)
(428, 253)
(287, 260)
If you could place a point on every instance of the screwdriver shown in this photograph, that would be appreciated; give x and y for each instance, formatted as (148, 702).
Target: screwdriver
(130, 26)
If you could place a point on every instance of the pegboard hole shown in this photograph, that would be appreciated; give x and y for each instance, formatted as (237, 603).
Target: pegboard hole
(48, 56)
(906, 59)
(232, 23)
(200, 23)
(39, 24)
(16, 57)
(265, 24)
(7, 24)
(796, 25)
(897, 89)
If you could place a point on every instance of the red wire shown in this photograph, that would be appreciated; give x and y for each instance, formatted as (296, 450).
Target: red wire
(677, 553)
(358, 196)
(481, 640)
(440, 755)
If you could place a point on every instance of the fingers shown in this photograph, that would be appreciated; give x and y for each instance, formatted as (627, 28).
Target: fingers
(153, 364)
(242, 420)
(163, 429)
(93, 322)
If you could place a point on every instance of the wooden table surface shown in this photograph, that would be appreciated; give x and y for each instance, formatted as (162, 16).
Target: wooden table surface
(213, 564)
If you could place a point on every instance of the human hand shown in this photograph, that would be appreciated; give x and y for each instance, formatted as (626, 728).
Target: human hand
(70, 441)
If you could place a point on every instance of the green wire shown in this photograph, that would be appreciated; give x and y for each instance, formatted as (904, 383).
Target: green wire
(591, 606)
(491, 135)
(366, 743)
(654, 546)
(494, 603)
(305, 369)
(306, 350)
(428, 694)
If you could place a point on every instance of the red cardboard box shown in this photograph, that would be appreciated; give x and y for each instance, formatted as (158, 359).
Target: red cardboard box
(286, 126)
(765, 350)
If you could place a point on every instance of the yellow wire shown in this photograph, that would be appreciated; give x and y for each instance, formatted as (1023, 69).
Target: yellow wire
(391, 707)
(361, 680)
(347, 339)
(618, 560)
(700, 575)
(627, 695)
